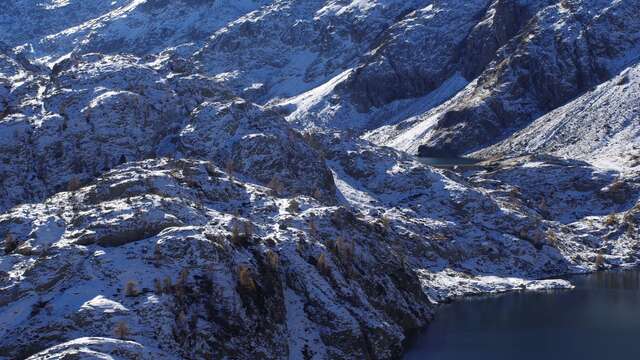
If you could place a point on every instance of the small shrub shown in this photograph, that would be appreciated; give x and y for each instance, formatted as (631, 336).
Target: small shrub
(74, 184)
(193, 323)
(130, 289)
(523, 234)
(46, 251)
(617, 191)
(121, 330)
(157, 253)
(183, 277)
(270, 242)
(294, 206)
(235, 234)
(37, 307)
(167, 285)
(238, 238)
(386, 223)
(344, 249)
(301, 246)
(599, 261)
(230, 167)
(181, 287)
(157, 285)
(245, 280)
(440, 237)
(212, 237)
(276, 186)
(552, 238)
(313, 226)
(611, 220)
(321, 264)
(10, 244)
(273, 259)
(403, 260)
(542, 205)
(317, 194)
(181, 319)
(248, 228)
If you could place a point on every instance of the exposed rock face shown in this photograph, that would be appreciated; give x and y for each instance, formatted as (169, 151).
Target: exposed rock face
(306, 265)
(563, 51)
(415, 55)
(503, 20)
(54, 28)
(601, 126)
(95, 347)
(320, 39)
(100, 111)
(94, 113)
(187, 179)
(258, 143)
(177, 217)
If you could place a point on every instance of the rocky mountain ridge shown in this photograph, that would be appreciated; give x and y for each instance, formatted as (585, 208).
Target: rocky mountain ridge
(204, 179)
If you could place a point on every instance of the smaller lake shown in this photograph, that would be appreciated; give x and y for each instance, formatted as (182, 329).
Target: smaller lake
(599, 319)
(448, 161)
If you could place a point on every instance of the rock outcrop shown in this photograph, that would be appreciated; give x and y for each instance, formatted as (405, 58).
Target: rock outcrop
(189, 179)
(565, 50)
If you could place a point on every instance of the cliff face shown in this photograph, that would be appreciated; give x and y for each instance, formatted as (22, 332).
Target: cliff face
(193, 180)
(564, 50)
(601, 126)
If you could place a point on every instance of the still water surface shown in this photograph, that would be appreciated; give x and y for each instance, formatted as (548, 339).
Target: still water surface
(448, 161)
(599, 319)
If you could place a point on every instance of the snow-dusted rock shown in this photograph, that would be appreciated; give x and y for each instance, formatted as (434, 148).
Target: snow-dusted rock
(601, 126)
(259, 144)
(187, 179)
(416, 54)
(565, 49)
(195, 272)
(96, 348)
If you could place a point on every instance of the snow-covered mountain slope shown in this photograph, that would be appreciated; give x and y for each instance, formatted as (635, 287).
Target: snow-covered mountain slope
(564, 50)
(97, 111)
(196, 263)
(188, 180)
(380, 237)
(54, 28)
(601, 126)
(354, 64)
(362, 98)
(292, 46)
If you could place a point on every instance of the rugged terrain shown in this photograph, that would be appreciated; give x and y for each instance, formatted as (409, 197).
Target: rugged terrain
(237, 179)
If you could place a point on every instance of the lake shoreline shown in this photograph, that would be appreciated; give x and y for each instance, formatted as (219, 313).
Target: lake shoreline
(413, 336)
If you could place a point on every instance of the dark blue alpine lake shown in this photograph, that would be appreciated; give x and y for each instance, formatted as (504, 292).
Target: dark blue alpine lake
(599, 319)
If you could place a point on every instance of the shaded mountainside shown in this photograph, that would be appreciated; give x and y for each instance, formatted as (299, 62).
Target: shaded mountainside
(190, 180)
(601, 126)
(562, 52)
(54, 28)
